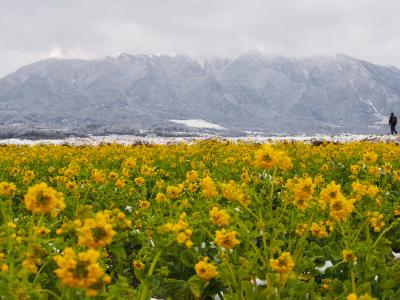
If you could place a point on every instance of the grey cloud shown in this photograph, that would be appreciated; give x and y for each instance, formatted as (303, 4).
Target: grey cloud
(33, 30)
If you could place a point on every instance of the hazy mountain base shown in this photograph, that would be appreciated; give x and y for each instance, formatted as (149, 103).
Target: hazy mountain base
(23, 132)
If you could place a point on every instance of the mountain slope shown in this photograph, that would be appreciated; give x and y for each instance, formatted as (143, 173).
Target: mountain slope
(273, 94)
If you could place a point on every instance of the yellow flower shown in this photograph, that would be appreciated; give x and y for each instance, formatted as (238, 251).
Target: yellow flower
(191, 176)
(41, 199)
(352, 296)
(359, 190)
(7, 188)
(376, 220)
(28, 176)
(397, 211)
(137, 264)
(329, 193)
(71, 186)
(90, 293)
(29, 266)
(185, 203)
(146, 170)
(219, 217)
(79, 270)
(205, 270)
(139, 180)
(348, 256)
(160, 198)
(245, 176)
(208, 187)
(303, 190)
(370, 157)
(144, 204)
(284, 264)
(374, 171)
(319, 230)
(326, 284)
(11, 225)
(396, 175)
(269, 158)
(42, 230)
(340, 208)
(99, 176)
(120, 183)
(113, 175)
(160, 183)
(96, 233)
(4, 268)
(354, 169)
(301, 229)
(174, 191)
(130, 163)
(167, 227)
(107, 279)
(232, 191)
(226, 239)
(387, 168)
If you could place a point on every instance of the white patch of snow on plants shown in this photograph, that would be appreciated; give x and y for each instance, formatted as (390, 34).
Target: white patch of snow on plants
(198, 123)
(254, 138)
(326, 266)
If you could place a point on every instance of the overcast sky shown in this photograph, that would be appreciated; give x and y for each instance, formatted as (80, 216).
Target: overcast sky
(37, 29)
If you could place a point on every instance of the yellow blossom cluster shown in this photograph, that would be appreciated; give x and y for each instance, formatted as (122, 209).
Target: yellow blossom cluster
(360, 190)
(226, 239)
(283, 264)
(181, 229)
(206, 270)
(269, 158)
(370, 157)
(96, 232)
(348, 256)
(319, 230)
(41, 199)
(375, 219)
(232, 191)
(80, 269)
(302, 190)
(174, 192)
(219, 216)
(208, 187)
(353, 296)
(7, 188)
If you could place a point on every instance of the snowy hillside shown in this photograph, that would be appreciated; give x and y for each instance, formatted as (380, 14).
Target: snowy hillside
(132, 94)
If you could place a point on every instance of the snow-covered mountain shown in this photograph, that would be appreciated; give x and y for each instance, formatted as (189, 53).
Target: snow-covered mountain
(253, 92)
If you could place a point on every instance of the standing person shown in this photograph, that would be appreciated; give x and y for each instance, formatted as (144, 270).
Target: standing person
(392, 123)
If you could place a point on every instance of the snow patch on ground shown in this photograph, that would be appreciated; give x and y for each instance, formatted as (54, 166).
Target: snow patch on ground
(254, 138)
(326, 266)
(198, 123)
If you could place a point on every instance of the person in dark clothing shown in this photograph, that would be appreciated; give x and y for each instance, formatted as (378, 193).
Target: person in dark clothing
(393, 123)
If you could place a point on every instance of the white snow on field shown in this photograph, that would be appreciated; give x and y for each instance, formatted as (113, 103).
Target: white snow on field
(198, 123)
(326, 266)
(132, 140)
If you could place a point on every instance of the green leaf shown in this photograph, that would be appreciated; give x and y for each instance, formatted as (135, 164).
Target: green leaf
(248, 289)
(196, 284)
(118, 251)
(187, 258)
(184, 290)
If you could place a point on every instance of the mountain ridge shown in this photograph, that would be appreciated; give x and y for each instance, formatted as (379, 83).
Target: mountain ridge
(252, 92)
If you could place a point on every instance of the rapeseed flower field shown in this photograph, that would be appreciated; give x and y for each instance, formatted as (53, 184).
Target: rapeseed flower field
(199, 221)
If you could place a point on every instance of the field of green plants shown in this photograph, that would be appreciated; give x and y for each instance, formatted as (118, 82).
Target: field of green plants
(209, 220)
